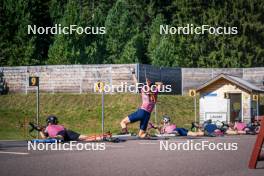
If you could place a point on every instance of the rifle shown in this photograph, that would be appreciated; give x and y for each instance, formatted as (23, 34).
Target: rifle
(151, 94)
(34, 127)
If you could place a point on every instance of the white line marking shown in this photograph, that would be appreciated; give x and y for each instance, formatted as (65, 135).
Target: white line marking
(14, 153)
(147, 143)
(125, 135)
(238, 138)
(211, 138)
(115, 146)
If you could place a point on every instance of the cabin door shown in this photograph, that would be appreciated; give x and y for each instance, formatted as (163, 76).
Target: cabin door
(235, 107)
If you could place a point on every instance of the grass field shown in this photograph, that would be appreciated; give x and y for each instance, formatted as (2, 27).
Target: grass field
(82, 112)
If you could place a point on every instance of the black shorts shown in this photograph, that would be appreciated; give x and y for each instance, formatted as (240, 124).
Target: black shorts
(69, 135)
(142, 116)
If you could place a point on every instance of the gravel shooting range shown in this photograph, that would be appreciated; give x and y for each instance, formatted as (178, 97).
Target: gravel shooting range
(131, 87)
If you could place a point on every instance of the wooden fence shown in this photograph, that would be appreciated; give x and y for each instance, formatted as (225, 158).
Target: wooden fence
(81, 78)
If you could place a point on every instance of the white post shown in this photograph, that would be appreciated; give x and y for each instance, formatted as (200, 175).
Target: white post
(102, 112)
(229, 111)
(195, 117)
(155, 113)
(258, 108)
(195, 113)
(111, 78)
(80, 91)
(38, 107)
(26, 81)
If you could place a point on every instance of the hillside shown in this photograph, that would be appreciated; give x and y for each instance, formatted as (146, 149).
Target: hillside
(83, 112)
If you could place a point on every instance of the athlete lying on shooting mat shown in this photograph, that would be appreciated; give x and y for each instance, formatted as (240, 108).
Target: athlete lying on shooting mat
(210, 129)
(149, 95)
(206, 129)
(221, 128)
(168, 128)
(242, 128)
(54, 130)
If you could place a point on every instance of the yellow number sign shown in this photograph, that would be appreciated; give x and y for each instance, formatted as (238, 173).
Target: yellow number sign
(255, 97)
(192, 92)
(34, 81)
(99, 87)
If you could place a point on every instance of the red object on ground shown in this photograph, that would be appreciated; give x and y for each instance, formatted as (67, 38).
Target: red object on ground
(256, 153)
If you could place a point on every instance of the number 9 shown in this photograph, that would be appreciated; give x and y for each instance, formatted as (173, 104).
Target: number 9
(33, 81)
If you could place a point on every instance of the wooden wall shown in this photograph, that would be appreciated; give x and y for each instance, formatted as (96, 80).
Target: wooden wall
(254, 75)
(66, 78)
(81, 78)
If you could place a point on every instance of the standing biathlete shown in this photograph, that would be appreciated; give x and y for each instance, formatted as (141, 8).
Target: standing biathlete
(149, 99)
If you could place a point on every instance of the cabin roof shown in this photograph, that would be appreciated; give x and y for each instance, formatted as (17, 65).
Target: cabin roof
(235, 80)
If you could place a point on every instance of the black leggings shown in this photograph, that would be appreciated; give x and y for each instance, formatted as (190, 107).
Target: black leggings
(69, 135)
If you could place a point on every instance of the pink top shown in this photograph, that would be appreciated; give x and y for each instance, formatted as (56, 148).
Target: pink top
(53, 130)
(147, 104)
(240, 126)
(168, 128)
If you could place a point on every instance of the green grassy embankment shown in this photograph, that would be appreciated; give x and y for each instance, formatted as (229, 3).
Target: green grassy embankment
(83, 112)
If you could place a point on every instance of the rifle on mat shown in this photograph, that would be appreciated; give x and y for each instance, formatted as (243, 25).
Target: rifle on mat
(34, 127)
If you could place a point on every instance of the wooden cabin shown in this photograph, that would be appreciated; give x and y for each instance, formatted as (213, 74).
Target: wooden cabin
(228, 98)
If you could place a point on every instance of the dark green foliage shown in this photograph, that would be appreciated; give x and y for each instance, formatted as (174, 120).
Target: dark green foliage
(132, 32)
